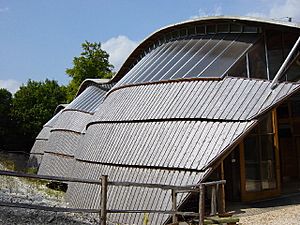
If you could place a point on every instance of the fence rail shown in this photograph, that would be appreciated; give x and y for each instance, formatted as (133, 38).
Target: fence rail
(103, 211)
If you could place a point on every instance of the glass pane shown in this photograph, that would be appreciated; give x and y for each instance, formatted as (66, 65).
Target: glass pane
(223, 28)
(283, 111)
(260, 170)
(228, 57)
(207, 45)
(211, 29)
(200, 29)
(257, 61)
(179, 69)
(239, 69)
(165, 52)
(157, 66)
(275, 51)
(177, 61)
(191, 30)
(218, 46)
(249, 29)
(252, 167)
(289, 39)
(183, 32)
(265, 127)
(184, 46)
(293, 73)
(235, 28)
(268, 176)
(296, 108)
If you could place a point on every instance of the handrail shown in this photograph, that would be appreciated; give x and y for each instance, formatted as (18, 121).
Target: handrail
(103, 181)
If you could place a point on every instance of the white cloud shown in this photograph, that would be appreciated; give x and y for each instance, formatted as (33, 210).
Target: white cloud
(281, 10)
(288, 8)
(256, 14)
(119, 49)
(216, 11)
(11, 85)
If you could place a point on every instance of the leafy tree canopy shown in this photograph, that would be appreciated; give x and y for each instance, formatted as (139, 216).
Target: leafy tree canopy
(5, 108)
(92, 63)
(5, 102)
(34, 104)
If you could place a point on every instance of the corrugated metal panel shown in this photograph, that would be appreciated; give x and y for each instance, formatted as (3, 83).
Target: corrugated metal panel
(87, 196)
(63, 142)
(39, 147)
(160, 144)
(202, 56)
(56, 165)
(44, 133)
(88, 101)
(73, 121)
(228, 99)
(53, 120)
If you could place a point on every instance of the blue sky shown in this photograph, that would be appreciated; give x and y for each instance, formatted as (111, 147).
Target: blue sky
(39, 38)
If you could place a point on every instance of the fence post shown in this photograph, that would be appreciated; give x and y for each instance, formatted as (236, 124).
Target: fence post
(213, 203)
(103, 200)
(174, 206)
(222, 209)
(201, 204)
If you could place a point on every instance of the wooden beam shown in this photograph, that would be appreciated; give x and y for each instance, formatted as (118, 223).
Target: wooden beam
(174, 206)
(222, 208)
(276, 146)
(47, 208)
(103, 209)
(201, 204)
(213, 201)
(44, 177)
(242, 171)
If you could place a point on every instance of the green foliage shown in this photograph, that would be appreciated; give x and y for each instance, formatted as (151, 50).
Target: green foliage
(92, 63)
(5, 107)
(31, 170)
(34, 104)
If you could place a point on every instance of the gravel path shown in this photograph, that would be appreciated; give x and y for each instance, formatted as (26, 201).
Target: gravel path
(281, 210)
(18, 190)
(289, 215)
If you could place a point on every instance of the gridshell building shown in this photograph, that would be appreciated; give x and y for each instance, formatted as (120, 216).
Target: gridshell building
(192, 100)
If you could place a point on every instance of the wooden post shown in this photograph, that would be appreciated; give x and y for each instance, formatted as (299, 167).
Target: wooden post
(213, 201)
(103, 212)
(201, 204)
(174, 206)
(222, 208)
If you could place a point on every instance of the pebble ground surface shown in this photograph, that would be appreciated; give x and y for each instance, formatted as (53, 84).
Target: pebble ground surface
(18, 190)
(284, 210)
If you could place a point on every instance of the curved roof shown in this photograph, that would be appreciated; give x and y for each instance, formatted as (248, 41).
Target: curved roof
(152, 38)
(104, 84)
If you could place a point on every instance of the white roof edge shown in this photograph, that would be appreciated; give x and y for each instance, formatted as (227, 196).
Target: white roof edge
(91, 80)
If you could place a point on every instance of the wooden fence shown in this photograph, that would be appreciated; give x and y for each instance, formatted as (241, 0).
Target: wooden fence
(217, 195)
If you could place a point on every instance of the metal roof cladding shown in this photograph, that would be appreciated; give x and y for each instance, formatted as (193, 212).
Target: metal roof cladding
(60, 136)
(169, 120)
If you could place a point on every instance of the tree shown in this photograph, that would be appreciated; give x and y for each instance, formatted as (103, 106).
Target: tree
(92, 63)
(5, 120)
(34, 104)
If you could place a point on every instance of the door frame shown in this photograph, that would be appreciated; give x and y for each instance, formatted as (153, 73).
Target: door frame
(258, 195)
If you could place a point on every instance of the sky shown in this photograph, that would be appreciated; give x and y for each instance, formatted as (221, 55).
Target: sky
(40, 38)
